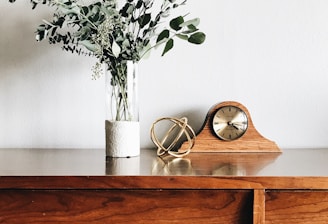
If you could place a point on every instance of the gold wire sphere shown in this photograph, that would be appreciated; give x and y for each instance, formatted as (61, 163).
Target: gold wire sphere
(181, 123)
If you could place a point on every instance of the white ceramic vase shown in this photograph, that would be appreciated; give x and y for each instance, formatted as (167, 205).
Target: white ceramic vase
(122, 138)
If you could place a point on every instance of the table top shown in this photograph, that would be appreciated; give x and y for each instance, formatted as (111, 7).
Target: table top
(92, 162)
(89, 169)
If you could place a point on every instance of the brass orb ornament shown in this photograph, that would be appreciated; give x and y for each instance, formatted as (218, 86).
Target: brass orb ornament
(228, 127)
(183, 128)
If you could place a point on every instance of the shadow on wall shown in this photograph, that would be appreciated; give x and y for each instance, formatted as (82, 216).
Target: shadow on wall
(18, 23)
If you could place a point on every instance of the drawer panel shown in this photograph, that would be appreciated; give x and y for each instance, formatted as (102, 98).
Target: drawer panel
(126, 206)
(301, 207)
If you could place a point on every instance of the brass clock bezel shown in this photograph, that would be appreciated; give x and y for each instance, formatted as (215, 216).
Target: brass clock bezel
(231, 129)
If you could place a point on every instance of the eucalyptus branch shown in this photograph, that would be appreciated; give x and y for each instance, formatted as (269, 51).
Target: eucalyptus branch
(115, 35)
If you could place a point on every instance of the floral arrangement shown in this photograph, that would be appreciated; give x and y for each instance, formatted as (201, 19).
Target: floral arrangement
(116, 31)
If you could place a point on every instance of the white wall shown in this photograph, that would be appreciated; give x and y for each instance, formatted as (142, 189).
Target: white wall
(270, 55)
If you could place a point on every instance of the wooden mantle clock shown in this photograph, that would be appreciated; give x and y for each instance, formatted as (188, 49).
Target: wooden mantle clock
(228, 127)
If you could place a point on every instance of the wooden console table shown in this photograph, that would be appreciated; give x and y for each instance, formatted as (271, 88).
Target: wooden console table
(80, 186)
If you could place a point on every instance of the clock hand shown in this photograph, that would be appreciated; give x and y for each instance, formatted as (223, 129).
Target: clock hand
(238, 122)
(233, 125)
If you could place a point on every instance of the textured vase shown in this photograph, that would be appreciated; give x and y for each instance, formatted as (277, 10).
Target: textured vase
(122, 111)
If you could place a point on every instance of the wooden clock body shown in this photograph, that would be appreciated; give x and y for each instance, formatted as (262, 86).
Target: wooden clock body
(251, 141)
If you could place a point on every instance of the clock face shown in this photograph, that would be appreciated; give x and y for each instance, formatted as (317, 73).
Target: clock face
(229, 123)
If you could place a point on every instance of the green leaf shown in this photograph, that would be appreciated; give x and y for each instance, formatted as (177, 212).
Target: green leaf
(95, 9)
(195, 22)
(164, 34)
(126, 43)
(144, 20)
(70, 10)
(168, 46)
(175, 23)
(88, 45)
(94, 18)
(85, 10)
(183, 37)
(139, 4)
(192, 28)
(189, 31)
(40, 36)
(197, 38)
(127, 9)
(84, 33)
(116, 49)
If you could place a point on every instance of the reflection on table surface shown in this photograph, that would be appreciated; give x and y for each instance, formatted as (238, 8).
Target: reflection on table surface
(215, 164)
(93, 162)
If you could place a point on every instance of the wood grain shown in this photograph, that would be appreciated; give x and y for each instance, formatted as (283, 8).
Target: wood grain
(161, 182)
(301, 207)
(259, 207)
(126, 206)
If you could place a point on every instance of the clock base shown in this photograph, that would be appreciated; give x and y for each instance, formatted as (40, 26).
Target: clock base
(210, 145)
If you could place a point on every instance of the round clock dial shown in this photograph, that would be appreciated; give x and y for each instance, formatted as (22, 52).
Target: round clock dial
(229, 123)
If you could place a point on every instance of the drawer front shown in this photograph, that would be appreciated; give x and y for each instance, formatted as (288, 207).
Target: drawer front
(126, 206)
(301, 207)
